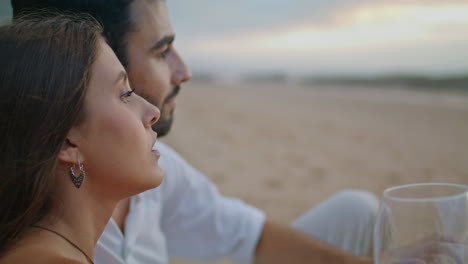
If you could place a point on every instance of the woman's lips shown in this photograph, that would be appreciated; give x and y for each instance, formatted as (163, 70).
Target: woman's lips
(156, 152)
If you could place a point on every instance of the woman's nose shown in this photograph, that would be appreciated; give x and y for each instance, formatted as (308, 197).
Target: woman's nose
(152, 114)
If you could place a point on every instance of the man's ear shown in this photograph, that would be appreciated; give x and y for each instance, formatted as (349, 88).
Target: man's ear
(70, 152)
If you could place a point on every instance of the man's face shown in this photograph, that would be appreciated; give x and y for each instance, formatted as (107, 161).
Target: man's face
(155, 68)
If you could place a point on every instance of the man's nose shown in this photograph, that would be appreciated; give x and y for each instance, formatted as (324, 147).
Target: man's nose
(182, 72)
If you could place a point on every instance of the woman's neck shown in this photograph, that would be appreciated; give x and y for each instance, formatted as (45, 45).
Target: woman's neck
(80, 217)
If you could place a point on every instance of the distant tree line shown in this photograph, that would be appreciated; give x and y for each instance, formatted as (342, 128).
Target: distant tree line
(455, 83)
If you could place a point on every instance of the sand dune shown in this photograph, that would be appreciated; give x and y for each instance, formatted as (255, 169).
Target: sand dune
(286, 148)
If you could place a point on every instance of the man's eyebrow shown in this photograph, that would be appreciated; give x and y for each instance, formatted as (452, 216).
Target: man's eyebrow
(122, 76)
(167, 40)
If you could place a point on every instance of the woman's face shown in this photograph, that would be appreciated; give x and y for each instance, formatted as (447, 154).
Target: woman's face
(116, 138)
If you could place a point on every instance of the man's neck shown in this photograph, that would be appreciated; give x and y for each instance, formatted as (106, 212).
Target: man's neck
(120, 213)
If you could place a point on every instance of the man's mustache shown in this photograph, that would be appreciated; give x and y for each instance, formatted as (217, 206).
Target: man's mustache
(173, 93)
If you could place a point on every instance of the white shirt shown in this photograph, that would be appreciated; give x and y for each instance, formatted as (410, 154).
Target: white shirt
(185, 217)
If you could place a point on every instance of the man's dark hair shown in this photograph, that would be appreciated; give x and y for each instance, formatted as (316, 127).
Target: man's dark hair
(114, 16)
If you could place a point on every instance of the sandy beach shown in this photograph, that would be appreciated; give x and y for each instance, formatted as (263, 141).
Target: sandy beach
(286, 147)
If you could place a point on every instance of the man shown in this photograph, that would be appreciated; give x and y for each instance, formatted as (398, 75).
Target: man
(186, 217)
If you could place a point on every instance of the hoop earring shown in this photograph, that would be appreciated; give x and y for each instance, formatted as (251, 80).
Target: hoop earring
(77, 180)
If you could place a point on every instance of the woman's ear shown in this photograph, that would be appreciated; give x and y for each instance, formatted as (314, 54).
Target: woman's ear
(69, 152)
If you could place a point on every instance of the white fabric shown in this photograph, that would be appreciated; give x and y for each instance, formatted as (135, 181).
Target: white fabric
(185, 217)
(346, 221)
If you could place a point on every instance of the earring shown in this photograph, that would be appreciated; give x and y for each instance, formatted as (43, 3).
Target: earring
(77, 180)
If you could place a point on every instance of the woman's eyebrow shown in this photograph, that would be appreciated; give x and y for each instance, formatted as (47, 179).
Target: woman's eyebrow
(122, 76)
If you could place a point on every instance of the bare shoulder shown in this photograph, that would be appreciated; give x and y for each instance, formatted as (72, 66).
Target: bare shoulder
(39, 259)
(37, 250)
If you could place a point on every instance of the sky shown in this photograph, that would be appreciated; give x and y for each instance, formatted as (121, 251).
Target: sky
(323, 37)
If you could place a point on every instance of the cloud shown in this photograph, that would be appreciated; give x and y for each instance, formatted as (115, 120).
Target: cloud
(397, 35)
(225, 17)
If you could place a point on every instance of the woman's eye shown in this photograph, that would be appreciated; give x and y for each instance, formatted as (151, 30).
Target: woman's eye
(126, 95)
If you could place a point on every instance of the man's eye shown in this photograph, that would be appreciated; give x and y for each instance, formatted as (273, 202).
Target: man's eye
(164, 53)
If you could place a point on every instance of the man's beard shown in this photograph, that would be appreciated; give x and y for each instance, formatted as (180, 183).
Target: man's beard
(164, 124)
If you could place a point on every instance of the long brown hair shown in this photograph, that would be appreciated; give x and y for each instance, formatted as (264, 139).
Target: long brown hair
(45, 67)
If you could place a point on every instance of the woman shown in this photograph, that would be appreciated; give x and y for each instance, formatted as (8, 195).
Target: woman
(75, 139)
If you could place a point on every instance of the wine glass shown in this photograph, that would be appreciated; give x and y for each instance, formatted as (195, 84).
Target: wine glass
(424, 223)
